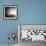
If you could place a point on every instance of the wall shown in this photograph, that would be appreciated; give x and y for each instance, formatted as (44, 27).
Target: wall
(29, 12)
(33, 11)
(7, 26)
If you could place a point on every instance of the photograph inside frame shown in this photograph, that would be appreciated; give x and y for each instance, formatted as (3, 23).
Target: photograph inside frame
(33, 32)
(10, 12)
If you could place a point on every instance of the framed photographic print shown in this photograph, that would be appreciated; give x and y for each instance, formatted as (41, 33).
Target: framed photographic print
(10, 12)
(33, 32)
